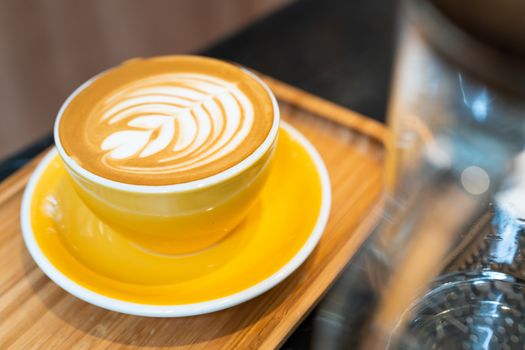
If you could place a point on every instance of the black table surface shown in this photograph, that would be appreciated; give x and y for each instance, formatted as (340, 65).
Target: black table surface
(337, 49)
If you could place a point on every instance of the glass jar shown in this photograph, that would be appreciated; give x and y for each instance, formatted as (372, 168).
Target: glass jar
(445, 267)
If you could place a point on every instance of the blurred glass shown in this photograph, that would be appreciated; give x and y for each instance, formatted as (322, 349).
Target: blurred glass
(445, 267)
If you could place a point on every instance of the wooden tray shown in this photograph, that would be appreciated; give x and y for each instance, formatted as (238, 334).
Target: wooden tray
(34, 312)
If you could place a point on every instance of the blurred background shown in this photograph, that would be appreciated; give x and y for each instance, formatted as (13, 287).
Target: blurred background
(47, 48)
(340, 50)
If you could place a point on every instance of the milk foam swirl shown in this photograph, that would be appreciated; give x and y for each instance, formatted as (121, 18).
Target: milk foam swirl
(173, 122)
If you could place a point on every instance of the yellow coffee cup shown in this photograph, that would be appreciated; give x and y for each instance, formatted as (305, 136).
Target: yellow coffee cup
(180, 218)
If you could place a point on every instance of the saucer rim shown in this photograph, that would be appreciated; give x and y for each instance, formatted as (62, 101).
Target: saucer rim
(178, 310)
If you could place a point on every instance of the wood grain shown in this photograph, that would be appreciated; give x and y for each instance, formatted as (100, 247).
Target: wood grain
(35, 313)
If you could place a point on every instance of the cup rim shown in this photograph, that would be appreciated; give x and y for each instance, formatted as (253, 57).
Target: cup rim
(179, 187)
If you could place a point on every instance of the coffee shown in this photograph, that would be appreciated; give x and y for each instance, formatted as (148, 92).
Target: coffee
(166, 120)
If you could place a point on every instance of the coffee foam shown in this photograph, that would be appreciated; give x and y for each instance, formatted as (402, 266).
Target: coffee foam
(167, 126)
(196, 120)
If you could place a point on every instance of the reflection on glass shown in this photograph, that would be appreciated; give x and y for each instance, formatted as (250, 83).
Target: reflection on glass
(445, 267)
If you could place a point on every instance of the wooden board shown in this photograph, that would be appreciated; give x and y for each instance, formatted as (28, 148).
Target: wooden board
(34, 312)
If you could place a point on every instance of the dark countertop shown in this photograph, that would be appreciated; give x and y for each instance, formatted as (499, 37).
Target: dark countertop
(339, 50)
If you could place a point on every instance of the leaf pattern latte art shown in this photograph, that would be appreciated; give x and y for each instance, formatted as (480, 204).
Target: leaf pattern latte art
(175, 121)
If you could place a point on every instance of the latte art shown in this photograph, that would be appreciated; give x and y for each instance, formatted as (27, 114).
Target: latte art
(166, 120)
(177, 121)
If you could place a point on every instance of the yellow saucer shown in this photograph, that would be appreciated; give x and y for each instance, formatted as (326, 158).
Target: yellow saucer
(97, 264)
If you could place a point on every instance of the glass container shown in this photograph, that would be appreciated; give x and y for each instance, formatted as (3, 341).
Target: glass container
(445, 267)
